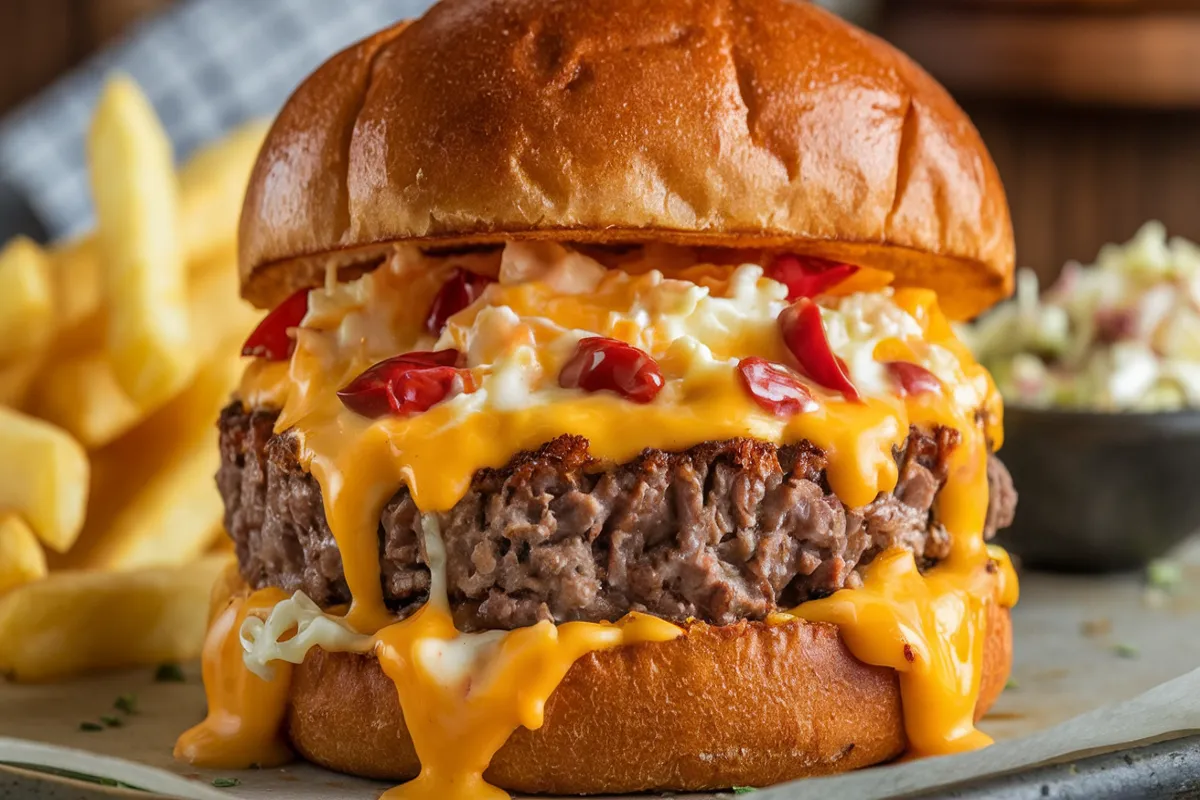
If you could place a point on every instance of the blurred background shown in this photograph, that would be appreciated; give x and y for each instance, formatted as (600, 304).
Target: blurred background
(1091, 108)
(41, 39)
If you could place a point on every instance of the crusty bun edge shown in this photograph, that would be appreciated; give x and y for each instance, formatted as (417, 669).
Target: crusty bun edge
(764, 121)
(749, 704)
(965, 287)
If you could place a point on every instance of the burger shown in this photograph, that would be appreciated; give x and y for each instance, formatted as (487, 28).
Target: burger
(608, 431)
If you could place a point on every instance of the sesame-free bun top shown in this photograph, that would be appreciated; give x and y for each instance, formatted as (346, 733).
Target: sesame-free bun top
(739, 123)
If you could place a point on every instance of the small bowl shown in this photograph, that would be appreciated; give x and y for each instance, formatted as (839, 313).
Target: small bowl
(1101, 492)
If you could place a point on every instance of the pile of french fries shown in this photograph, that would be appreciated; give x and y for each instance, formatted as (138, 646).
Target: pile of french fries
(117, 352)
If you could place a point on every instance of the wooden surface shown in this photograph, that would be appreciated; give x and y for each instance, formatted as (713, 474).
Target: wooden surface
(40, 39)
(1090, 108)
(1079, 177)
(1113, 55)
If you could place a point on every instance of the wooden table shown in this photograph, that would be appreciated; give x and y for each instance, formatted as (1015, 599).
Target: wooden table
(41, 39)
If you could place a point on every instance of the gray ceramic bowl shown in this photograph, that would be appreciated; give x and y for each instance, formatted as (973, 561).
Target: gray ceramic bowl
(1101, 492)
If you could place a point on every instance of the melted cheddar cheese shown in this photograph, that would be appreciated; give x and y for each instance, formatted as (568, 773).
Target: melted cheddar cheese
(462, 695)
(696, 320)
(929, 628)
(244, 725)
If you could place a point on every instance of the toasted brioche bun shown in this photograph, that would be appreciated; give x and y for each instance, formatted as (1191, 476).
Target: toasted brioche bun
(743, 123)
(741, 705)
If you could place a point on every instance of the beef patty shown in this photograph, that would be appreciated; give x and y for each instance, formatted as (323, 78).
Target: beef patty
(722, 531)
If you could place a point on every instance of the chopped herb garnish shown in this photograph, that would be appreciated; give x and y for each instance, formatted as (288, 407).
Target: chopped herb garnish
(88, 725)
(1164, 574)
(225, 783)
(126, 703)
(112, 722)
(1011, 683)
(1125, 650)
(168, 673)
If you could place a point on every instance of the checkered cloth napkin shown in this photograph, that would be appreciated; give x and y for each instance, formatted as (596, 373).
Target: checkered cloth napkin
(207, 65)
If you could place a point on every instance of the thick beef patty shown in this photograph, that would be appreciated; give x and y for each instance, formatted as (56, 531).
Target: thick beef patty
(720, 532)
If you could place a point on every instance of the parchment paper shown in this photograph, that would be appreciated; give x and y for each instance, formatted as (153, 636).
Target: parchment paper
(1121, 655)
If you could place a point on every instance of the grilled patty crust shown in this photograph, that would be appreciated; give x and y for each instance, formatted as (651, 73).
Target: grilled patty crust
(722, 531)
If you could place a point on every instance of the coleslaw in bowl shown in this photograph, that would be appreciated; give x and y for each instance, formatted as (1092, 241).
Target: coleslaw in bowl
(1122, 334)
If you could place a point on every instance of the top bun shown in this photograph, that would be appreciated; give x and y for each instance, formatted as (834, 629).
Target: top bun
(740, 123)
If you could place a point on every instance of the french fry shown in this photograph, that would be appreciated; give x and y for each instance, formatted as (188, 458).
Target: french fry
(80, 621)
(223, 320)
(25, 298)
(16, 378)
(229, 583)
(136, 197)
(222, 544)
(154, 500)
(124, 342)
(171, 521)
(21, 557)
(78, 295)
(81, 393)
(212, 185)
(43, 477)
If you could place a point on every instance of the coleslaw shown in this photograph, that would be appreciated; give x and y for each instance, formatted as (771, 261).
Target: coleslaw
(1122, 334)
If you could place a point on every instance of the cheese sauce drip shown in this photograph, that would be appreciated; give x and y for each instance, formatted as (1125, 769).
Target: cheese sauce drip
(244, 725)
(697, 320)
(462, 694)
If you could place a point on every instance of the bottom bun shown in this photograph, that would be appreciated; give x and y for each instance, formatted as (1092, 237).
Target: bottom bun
(745, 704)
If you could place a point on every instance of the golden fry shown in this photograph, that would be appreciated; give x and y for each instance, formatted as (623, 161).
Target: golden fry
(212, 185)
(127, 340)
(77, 281)
(154, 499)
(25, 299)
(171, 520)
(21, 557)
(43, 477)
(71, 622)
(15, 380)
(136, 197)
(222, 543)
(81, 393)
(221, 319)
(229, 583)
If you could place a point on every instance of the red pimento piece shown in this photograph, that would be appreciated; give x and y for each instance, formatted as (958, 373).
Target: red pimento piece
(407, 384)
(774, 387)
(462, 289)
(431, 358)
(804, 334)
(601, 364)
(807, 276)
(271, 339)
(912, 378)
